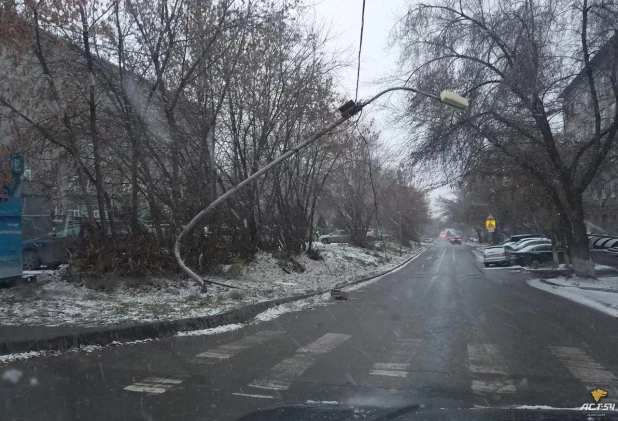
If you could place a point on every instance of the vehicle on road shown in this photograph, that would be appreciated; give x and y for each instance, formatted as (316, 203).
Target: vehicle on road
(535, 254)
(52, 249)
(455, 240)
(337, 236)
(495, 255)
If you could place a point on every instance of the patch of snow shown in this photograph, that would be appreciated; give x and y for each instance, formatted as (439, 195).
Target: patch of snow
(212, 331)
(604, 267)
(534, 407)
(323, 402)
(299, 305)
(20, 356)
(599, 300)
(513, 267)
(12, 375)
(604, 282)
(34, 381)
(54, 302)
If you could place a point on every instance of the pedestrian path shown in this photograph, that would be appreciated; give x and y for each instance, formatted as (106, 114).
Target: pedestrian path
(495, 374)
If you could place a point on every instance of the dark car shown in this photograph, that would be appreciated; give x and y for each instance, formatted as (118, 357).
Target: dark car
(455, 240)
(535, 254)
(52, 249)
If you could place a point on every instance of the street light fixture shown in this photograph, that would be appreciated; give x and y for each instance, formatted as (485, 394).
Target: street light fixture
(349, 109)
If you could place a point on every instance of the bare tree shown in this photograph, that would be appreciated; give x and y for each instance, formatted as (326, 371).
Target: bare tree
(513, 60)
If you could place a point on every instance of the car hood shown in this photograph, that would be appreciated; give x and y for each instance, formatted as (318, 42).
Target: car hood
(336, 412)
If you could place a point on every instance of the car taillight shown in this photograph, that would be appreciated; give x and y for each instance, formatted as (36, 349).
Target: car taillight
(504, 254)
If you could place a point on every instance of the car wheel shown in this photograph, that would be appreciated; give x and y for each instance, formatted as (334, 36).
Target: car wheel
(31, 260)
(54, 266)
(535, 262)
(486, 265)
(325, 241)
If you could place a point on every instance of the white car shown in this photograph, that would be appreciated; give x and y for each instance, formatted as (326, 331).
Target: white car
(337, 236)
(495, 255)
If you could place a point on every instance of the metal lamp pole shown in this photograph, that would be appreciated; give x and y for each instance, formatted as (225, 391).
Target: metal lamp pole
(347, 110)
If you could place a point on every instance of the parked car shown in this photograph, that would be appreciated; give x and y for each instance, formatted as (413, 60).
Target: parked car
(52, 249)
(495, 255)
(337, 236)
(535, 254)
(55, 248)
(516, 238)
(512, 250)
(455, 240)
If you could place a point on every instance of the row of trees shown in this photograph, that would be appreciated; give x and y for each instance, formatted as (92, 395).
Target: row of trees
(148, 110)
(514, 60)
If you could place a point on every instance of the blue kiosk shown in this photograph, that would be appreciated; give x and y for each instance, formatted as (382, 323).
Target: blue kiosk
(10, 224)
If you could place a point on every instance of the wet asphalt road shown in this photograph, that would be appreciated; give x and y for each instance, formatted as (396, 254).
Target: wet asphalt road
(443, 332)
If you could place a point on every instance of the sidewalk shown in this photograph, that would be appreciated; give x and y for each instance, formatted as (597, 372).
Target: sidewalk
(601, 294)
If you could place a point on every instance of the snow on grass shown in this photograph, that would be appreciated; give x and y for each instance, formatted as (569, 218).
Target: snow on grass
(53, 302)
(212, 331)
(609, 282)
(606, 302)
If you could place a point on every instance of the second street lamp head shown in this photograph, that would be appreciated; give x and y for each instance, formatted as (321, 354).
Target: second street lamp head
(454, 100)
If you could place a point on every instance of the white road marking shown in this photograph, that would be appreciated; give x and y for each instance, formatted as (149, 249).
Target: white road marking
(271, 384)
(226, 351)
(249, 395)
(293, 367)
(153, 385)
(391, 366)
(165, 381)
(587, 370)
(493, 386)
(389, 373)
(489, 370)
(143, 388)
(401, 351)
(486, 358)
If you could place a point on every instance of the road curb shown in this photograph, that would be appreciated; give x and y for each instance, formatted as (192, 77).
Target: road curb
(611, 291)
(171, 327)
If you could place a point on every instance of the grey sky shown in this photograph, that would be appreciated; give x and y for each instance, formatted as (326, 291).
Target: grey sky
(377, 60)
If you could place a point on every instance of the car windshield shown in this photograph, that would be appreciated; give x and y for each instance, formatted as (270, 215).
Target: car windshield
(173, 173)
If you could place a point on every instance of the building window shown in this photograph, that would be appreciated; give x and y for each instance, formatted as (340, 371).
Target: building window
(73, 214)
(95, 213)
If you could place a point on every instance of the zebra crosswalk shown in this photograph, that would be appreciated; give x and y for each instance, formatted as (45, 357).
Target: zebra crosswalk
(491, 370)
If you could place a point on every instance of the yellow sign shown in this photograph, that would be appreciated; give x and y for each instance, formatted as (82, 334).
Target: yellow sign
(490, 224)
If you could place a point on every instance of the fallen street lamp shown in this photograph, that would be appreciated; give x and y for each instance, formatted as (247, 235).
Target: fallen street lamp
(347, 110)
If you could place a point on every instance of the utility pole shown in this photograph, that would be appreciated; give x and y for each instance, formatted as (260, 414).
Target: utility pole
(349, 109)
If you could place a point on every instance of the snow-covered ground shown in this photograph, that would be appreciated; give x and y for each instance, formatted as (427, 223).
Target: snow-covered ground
(51, 301)
(579, 290)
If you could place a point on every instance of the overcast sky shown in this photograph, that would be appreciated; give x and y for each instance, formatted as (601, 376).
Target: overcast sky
(377, 60)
